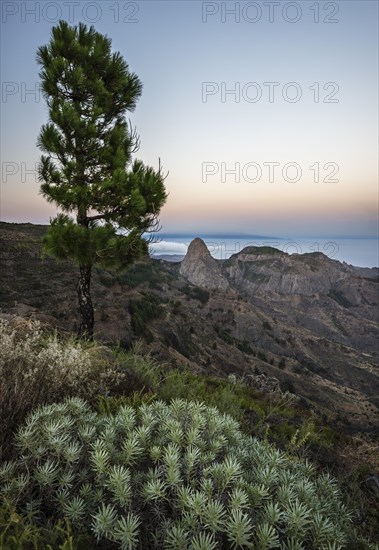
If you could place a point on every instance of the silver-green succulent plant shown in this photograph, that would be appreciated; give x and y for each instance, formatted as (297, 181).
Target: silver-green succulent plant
(172, 477)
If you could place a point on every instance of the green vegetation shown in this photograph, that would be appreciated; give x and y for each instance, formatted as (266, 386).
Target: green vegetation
(132, 467)
(168, 476)
(143, 310)
(106, 278)
(87, 167)
(142, 273)
(176, 306)
(39, 368)
(242, 345)
(17, 532)
(196, 293)
(262, 356)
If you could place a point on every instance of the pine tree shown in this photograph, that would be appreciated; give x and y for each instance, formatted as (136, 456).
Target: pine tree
(108, 201)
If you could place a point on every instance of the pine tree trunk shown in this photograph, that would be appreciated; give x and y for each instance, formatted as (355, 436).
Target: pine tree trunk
(85, 303)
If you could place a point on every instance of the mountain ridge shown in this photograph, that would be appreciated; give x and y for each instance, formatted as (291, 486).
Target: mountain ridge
(308, 321)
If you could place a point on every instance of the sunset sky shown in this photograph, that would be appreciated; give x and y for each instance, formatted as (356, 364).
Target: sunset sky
(305, 83)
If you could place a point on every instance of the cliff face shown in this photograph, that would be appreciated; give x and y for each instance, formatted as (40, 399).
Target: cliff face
(268, 272)
(200, 269)
(278, 273)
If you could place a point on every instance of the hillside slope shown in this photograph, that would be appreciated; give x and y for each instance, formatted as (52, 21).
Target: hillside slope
(306, 320)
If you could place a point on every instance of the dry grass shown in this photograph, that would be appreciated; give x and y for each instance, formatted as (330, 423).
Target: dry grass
(361, 450)
(39, 368)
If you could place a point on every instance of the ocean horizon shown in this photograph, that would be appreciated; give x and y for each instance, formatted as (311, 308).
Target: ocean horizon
(356, 251)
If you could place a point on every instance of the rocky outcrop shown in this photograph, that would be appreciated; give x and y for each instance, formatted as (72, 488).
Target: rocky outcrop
(263, 383)
(270, 271)
(200, 269)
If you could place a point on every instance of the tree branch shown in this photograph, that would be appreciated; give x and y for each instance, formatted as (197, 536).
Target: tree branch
(97, 217)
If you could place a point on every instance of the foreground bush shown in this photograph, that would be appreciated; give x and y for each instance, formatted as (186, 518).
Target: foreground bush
(16, 533)
(178, 476)
(36, 368)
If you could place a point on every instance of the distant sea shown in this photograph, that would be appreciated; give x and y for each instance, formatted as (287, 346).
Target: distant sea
(362, 252)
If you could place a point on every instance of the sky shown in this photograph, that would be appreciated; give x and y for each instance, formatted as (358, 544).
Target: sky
(264, 114)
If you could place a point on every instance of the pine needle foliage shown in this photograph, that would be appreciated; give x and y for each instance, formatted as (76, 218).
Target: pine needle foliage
(87, 168)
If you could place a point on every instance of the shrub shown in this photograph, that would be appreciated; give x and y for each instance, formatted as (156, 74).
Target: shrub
(261, 355)
(17, 533)
(145, 309)
(168, 476)
(37, 369)
(176, 307)
(196, 293)
(143, 368)
(140, 273)
(107, 279)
